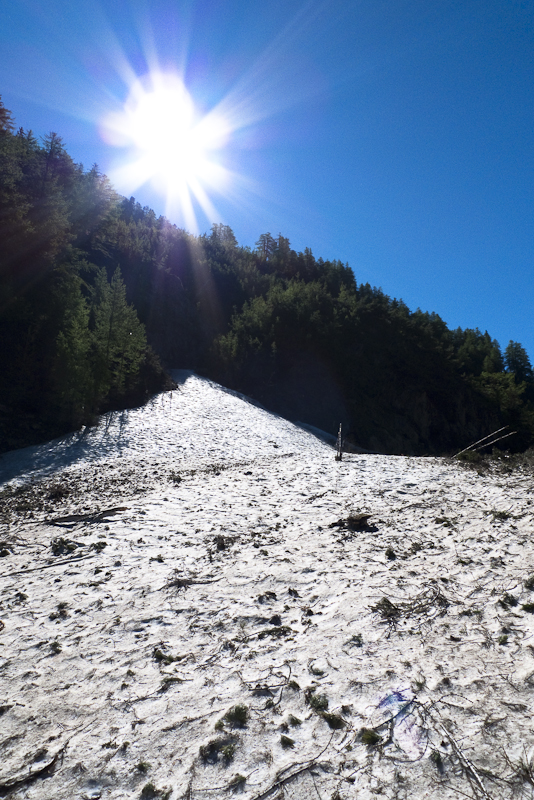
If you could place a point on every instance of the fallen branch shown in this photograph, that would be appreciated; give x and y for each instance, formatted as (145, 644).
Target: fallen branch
(506, 435)
(282, 779)
(178, 583)
(484, 439)
(48, 566)
(466, 763)
(96, 516)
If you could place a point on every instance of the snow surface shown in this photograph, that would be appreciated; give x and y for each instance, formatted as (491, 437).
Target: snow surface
(212, 566)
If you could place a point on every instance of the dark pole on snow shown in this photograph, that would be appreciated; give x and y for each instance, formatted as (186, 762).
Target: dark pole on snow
(339, 444)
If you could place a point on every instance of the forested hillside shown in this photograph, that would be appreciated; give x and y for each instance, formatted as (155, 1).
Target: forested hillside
(95, 291)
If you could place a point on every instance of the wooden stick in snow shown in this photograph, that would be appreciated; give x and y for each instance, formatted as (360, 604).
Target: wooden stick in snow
(506, 435)
(481, 440)
(339, 444)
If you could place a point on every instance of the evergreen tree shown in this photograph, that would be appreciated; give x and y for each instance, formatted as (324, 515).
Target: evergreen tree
(266, 245)
(476, 352)
(223, 234)
(119, 340)
(71, 369)
(517, 361)
(6, 120)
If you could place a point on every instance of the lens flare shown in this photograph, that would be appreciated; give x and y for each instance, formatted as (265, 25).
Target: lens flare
(169, 145)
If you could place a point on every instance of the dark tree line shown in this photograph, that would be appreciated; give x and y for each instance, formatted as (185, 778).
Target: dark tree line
(95, 288)
(72, 345)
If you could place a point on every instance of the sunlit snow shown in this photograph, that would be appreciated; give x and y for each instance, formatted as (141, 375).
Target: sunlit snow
(183, 558)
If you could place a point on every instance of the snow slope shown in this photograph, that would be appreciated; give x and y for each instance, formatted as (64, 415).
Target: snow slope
(194, 555)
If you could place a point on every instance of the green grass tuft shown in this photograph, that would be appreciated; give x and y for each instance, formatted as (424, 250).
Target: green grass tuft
(370, 737)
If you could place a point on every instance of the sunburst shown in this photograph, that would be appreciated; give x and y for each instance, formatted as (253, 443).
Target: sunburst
(170, 145)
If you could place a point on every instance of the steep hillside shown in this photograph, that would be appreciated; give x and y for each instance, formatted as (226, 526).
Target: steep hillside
(96, 292)
(197, 599)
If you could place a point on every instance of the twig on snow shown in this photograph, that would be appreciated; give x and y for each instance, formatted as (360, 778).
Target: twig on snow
(282, 778)
(48, 566)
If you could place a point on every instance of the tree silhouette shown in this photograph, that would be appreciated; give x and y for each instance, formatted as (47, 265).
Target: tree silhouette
(517, 361)
(7, 123)
(119, 340)
(223, 234)
(266, 245)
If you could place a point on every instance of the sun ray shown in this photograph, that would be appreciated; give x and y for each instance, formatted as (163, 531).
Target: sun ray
(203, 199)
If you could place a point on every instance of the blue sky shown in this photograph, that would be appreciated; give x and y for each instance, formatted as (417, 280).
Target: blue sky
(395, 136)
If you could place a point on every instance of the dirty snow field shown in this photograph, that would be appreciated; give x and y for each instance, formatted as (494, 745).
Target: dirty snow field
(196, 599)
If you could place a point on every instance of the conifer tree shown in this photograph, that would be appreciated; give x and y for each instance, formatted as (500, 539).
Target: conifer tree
(6, 120)
(517, 361)
(224, 234)
(119, 340)
(266, 245)
(71, 371)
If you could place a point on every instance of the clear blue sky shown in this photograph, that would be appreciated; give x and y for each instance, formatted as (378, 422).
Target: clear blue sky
(397, 136)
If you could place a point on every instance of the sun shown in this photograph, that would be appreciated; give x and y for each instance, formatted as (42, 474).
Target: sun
(169, 144)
